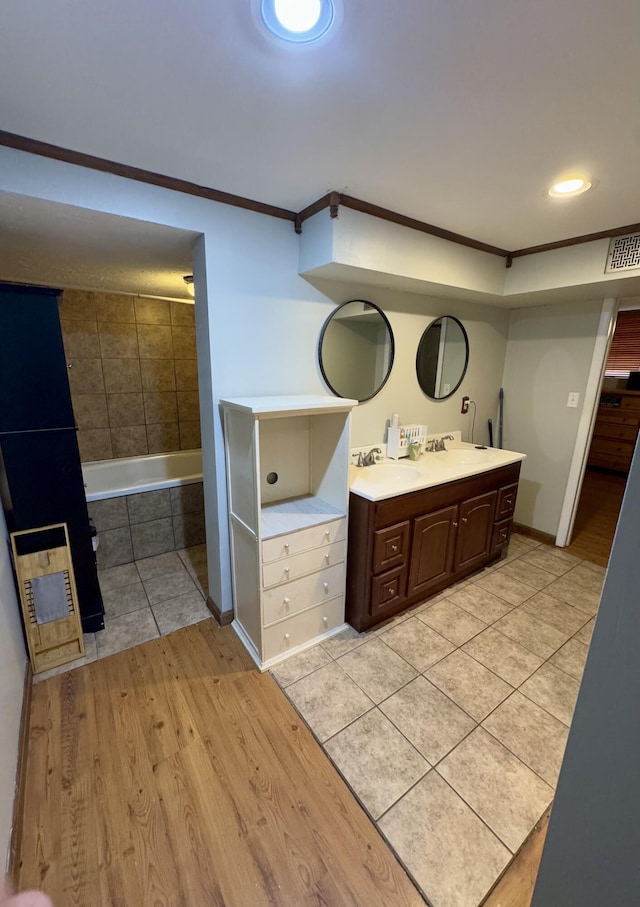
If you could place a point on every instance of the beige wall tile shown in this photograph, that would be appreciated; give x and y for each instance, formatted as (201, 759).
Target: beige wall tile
(111, 307)
(122, 376)
(186, 374)
(188, 406)
(129, 441)
(163, 436)
(85, 376)
(80, 339)
(158, 375)
(160, 407)
(125, 409)
(118, 341)
(77, 304)
(95, 444)
(155, 341)
(184, 342)
(190, 437)
(152, 311)
(183, 313)
(90, 411)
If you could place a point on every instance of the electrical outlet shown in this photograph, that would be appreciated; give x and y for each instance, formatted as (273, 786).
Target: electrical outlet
(572, 400)
(465, 405)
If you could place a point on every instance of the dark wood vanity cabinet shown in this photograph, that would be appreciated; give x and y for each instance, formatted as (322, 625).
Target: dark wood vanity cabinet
(406, 548)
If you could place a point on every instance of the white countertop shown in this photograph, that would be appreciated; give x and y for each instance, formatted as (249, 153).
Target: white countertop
(389, 478)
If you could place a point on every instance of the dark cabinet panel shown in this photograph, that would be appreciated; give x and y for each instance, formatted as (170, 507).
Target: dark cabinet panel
(474, 531)
(432, 549)
(404, 549)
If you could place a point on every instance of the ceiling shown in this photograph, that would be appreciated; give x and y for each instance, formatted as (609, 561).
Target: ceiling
(454, 112)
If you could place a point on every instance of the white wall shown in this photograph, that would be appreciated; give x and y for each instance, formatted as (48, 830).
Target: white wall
(409, 315)
(12, 667)
(549, 354)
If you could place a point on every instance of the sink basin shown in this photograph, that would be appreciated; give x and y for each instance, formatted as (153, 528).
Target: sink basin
(465, 457)
(390, 472)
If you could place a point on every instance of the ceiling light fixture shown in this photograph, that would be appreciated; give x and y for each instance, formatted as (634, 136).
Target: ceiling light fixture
(299, 21)
(188, 279)
(575, 185)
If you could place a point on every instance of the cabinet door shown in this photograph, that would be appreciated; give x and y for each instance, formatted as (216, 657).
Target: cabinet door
(432, 549)
(474, 532)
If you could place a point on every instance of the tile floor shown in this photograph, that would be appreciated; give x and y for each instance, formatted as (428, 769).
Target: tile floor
(449, 722)
(146, 599)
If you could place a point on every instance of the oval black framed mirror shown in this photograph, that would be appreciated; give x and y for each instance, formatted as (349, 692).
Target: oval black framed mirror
(443, 357)
(356, 350)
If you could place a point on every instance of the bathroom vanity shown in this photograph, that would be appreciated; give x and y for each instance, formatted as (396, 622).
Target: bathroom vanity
(425, 527)
(287, 479)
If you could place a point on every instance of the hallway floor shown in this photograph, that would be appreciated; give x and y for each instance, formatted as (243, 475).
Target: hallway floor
(597, 516)
(449, 723)
(146, 599)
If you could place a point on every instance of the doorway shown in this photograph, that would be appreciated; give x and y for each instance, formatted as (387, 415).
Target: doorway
(615, 430)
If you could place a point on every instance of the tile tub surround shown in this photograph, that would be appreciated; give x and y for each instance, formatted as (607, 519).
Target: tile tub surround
(137, 526)
(449, 722)
(132, 372)
(146, 599)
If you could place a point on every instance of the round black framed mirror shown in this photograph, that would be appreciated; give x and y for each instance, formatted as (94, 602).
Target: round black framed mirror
(356, 350)
(443, 356)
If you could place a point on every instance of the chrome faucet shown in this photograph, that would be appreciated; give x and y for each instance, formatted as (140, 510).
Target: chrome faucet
(370, 459)
(436, 444)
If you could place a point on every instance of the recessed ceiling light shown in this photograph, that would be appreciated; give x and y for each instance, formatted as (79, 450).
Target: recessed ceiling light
(576, 185)
(300, 21)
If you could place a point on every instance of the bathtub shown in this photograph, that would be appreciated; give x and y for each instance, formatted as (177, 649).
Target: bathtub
(132, 475)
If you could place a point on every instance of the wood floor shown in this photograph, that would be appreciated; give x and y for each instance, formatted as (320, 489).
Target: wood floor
(598, 510)
(175, 774)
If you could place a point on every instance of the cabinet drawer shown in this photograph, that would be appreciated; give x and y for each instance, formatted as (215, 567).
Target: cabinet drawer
(286, 569)
(501, 535)
(618, 449)
(506, 501)
(388, 590)
(615, 431)
(301, 628)
(303, 539)
(283, 601)
(390, 546)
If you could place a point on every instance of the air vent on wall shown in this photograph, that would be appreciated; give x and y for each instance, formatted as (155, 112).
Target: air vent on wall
(624, 253)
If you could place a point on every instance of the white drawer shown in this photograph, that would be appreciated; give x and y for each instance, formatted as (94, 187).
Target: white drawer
(303, 540)
(285, 636)
(284, 570)
(283, 601)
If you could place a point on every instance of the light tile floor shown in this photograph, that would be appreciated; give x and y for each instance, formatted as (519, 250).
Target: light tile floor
(146, 599)
(450, 721)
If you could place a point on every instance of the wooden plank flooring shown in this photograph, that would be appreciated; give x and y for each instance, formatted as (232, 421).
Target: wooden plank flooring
(515, 888)
(175, 773)
(597, 517)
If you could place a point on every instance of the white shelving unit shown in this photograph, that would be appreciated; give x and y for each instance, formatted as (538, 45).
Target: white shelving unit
(288, 488)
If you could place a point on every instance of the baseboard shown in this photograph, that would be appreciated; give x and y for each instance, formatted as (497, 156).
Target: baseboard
(545, 537)
(21, 777)
(223, 617)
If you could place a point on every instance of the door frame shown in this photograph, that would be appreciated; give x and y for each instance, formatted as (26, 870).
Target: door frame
(606, 327)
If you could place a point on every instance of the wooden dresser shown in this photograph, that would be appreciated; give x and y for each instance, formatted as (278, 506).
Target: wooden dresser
(615, 431)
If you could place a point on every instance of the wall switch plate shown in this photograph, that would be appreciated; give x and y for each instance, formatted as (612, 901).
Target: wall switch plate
(572, 400)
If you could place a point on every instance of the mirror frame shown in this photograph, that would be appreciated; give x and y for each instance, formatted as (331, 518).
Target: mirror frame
(391, 343)
(466, 361)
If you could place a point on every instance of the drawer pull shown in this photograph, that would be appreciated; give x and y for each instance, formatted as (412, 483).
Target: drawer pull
(325, 620)
(286, 602)
(394, 547)
(464, 519)
(287, 637)
(392, 591)
(286, 570)
(327, 534)
(326, 557)
(455, 525)
(325, 586)
(286, 545)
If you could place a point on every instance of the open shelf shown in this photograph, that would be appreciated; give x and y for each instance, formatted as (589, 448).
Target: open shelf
(280, 517)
